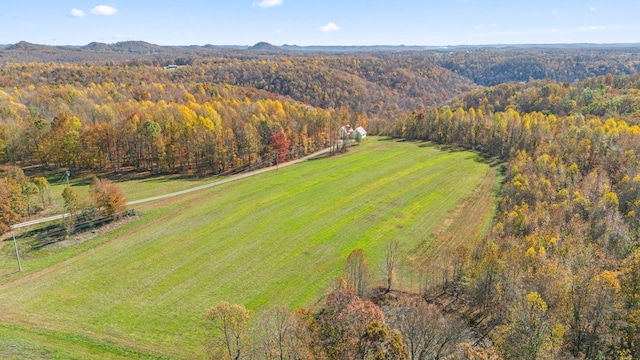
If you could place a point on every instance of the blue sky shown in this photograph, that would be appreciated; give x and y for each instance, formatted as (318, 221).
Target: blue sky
(320, 22)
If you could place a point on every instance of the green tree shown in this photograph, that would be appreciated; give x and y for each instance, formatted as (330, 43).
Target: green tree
(72, 202)
(44, 190)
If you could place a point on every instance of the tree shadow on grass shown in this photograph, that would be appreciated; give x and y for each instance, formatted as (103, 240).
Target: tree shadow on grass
(85, 178)
(474, 155)
(41, 237)
(6, 275)
(484, 159)
(165, 179)
(320, 157)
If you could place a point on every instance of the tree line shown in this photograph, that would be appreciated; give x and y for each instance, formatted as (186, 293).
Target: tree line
(21, 196)
(558, 274)
(603, 96)
(159, 127)
(356, 321)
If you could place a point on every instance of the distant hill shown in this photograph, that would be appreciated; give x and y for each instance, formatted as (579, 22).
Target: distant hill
(97, 46)
(522, 63)
(369, 85)
(370, 48)
(198, 47)
(97, 51)
(363, 78)
(138, 47)
(26, 46)
(264, 46)
(126, 50)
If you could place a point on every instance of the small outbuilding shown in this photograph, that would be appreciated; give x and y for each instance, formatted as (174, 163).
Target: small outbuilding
(361, 131)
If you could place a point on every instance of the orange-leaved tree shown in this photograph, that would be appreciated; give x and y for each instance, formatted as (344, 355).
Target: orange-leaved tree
(11, 203)
(107, 197)
(280, 143)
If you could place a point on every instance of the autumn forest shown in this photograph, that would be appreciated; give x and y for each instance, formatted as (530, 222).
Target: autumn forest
(557, 275)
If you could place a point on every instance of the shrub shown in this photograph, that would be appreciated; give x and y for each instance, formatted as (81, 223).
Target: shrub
(107, 197)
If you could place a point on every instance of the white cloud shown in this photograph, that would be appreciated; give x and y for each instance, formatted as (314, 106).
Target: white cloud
(76, 13)
(330, 27)
(104, 10)
(593, 8)
(268, 3)
(555, 11)
(592, 28)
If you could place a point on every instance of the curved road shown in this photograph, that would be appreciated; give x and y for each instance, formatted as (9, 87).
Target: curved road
(178, 193)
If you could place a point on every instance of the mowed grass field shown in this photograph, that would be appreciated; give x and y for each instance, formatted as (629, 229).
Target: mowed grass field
(134, 189)
(276, 239)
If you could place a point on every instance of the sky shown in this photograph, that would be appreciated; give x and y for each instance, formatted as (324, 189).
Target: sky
(320, 22)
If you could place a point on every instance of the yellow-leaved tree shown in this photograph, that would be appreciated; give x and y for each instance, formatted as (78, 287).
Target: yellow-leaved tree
(229, 331)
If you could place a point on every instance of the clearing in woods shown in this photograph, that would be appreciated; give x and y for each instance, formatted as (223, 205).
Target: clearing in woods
(276, 239)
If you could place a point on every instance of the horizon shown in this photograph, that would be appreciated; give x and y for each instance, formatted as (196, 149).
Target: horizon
(322, 23)
(330, 45)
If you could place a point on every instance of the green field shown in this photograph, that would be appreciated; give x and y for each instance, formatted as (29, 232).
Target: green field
(276, 239)
(132, 189)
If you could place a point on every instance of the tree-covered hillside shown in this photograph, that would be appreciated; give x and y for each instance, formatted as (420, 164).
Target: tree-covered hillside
(558, 274)
(568, 64)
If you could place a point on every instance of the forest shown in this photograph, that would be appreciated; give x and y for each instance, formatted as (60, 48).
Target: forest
(557, 276)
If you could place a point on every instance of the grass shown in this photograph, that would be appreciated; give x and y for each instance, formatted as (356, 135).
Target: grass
(22, 343)
(133, 189)
(277, 239)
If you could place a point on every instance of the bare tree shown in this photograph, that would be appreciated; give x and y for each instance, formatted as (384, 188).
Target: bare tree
(426, 331)
(392, 261)
(274, 335)
(357, 272)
